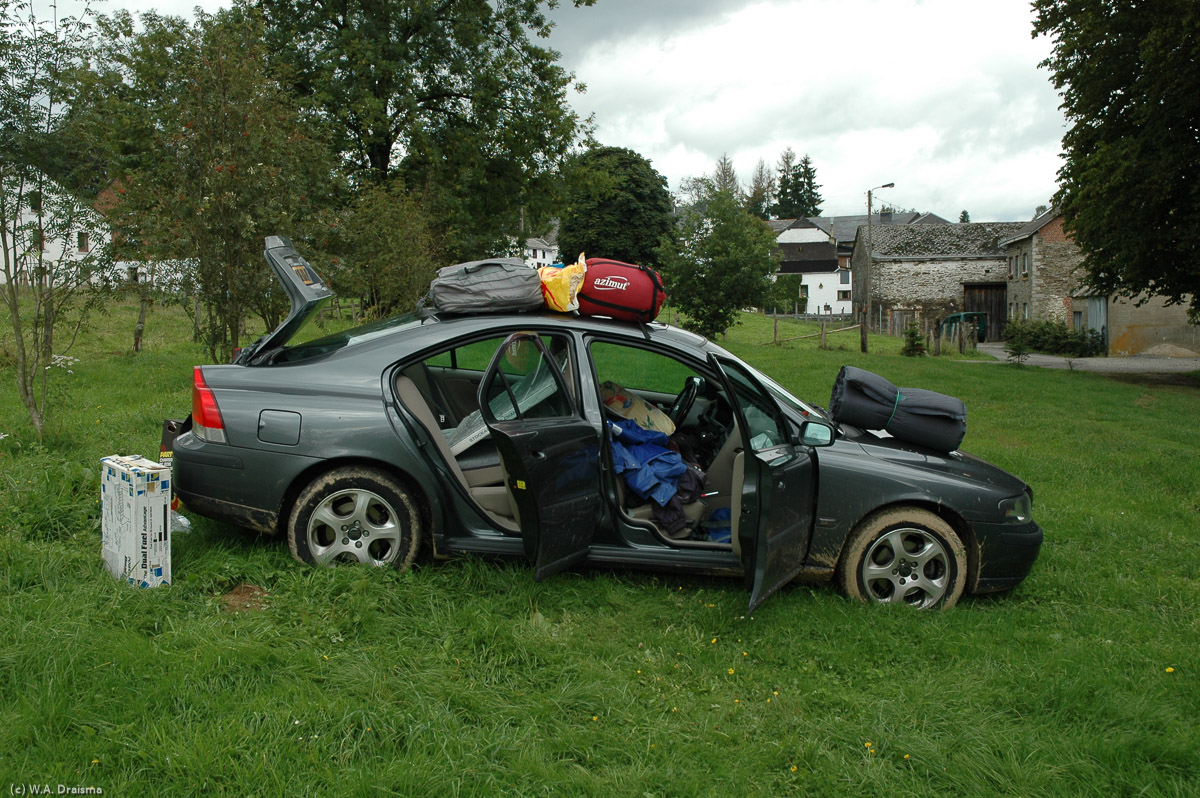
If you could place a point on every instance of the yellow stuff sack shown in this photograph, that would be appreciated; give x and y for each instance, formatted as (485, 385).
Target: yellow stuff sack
(559, 285)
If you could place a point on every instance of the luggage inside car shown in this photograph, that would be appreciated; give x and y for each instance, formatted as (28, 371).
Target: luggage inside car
(498, 285)
(621, 291)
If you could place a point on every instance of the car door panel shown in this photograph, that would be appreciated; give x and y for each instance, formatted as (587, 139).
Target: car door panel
(776, 512)
(550, 454)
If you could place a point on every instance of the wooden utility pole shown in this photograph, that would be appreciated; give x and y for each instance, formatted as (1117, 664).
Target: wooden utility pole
(866, 303)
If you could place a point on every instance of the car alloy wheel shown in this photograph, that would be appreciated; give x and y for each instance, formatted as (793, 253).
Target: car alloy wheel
(354, 515)
(904, 556)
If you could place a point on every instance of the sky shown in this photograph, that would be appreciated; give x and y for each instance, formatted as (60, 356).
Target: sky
(944, 98)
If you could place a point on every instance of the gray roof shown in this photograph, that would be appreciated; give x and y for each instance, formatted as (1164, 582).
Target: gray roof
(925, 241)
(845, 228)
(779, 225)
(810, 256)
(539, 243)
(1032, 227)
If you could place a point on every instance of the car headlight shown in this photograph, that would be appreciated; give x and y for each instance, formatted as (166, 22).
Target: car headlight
(1017, 510)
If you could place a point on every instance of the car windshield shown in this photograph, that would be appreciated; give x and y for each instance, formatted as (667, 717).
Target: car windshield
(778, 391)
(786, 399)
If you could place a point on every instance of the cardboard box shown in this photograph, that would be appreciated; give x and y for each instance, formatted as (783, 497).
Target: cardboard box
(135, 509)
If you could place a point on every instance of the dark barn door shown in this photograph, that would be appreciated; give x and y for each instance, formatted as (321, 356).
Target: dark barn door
(989, 298)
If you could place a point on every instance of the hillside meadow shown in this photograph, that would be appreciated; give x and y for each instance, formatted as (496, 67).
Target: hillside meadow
(468, 678)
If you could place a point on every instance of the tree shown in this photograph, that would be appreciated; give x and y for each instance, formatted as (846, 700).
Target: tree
(1129, 189)
(616, 205)
(798, 194)
(964, 217)
(232, 158)
(761, 194)
(720, 263)
(390, 250)
(808, 195)
(454, 96)
(724, 177)
(55, 261)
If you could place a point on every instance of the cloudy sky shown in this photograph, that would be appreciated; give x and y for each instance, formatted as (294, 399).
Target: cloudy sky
(942, 97)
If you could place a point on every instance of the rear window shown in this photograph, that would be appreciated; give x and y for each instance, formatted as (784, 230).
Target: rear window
(335, 341)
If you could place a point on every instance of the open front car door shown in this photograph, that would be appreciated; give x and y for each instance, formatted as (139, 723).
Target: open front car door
(551, 455)
(774, 524)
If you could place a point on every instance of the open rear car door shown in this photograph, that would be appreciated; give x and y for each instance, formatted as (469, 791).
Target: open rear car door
(551, 455)
(776, 516)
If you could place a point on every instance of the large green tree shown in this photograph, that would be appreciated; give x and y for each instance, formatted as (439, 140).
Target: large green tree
(798, 194)
(229, 158)
(721, 261)
(616, 206)
(1129, 75)
(455, 96)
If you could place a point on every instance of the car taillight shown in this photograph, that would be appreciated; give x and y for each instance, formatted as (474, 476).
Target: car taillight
(207, 424)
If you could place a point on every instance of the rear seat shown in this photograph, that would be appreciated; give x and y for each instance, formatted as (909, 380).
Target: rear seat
(485, 484)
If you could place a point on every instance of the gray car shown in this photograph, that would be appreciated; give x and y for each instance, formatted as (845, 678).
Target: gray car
(520, 435)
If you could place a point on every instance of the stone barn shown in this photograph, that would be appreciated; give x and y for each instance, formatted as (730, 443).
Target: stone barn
(923, 273)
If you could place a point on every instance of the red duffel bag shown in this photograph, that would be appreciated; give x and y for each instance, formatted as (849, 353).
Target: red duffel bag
(620, 291)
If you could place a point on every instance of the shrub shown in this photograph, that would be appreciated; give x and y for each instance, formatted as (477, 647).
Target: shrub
(1051, 338)
(914, 343)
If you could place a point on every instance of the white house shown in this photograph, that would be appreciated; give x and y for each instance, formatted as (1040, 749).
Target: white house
(66, 239)
(543, 251)
(807, 250)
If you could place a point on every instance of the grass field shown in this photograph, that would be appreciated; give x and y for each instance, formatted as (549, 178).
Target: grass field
(468, 678)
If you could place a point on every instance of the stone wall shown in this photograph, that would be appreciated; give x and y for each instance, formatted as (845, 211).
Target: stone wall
(1055, 261)
(927, 290)
(1041, 274)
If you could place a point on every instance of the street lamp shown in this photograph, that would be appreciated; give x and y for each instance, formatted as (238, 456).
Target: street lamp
(866, 298)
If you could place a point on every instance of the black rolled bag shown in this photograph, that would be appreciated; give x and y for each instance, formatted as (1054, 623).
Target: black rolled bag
(926, 418)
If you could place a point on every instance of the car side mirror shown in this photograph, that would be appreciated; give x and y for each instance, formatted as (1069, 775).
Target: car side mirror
(814, 434)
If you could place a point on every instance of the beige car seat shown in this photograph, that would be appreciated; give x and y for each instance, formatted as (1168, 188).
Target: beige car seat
(486, 486)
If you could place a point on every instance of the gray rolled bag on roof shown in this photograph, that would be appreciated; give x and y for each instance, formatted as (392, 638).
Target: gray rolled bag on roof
(497, 285)
(926, 418)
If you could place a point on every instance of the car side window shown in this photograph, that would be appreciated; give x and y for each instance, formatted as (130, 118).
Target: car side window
(766, 425)
(638, 369)
(531, 379)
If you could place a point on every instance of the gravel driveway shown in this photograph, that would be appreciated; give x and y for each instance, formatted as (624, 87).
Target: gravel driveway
(1135, 364)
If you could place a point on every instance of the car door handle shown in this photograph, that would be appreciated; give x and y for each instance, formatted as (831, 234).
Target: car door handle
(537, 454)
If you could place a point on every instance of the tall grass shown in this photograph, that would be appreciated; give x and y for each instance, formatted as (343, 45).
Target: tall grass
(469, 678)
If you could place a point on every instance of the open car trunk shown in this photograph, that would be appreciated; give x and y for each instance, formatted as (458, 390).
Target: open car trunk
(305, 289)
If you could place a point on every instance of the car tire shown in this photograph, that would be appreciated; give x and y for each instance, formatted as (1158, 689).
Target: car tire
(355, 514)
(904, 555)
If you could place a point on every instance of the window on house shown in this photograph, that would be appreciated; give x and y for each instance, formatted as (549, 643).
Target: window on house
(1025, 310)
(843, 296)
(1077, 320)
(1025, 265)
(844, 276)
(81, 242)
(803, 291)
